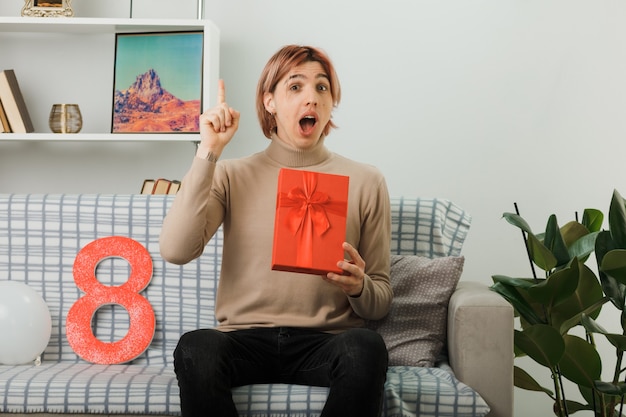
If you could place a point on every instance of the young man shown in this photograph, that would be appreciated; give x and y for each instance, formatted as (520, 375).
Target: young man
(278, 326)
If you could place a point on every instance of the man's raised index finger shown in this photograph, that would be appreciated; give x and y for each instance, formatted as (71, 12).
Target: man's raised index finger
(221, 92)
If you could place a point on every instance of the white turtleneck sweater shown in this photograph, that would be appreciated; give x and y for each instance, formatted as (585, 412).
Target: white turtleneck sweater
(241, 195)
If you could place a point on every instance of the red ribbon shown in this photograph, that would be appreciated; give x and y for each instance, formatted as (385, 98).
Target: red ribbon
(308, 213)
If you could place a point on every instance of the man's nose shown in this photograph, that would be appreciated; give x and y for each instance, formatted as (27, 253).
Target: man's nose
(312, 96)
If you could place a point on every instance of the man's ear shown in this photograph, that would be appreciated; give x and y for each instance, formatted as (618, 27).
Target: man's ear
(268, 101)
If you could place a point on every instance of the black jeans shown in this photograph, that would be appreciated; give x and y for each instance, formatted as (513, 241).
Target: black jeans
(208, 363)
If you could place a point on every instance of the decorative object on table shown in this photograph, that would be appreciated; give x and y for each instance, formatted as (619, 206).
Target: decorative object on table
(25, 324)
(13, 103)
(65, 118)
(158, 82)
(558, 312)
(47, 8)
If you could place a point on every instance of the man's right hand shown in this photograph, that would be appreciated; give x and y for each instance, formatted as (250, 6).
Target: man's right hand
(217, 125)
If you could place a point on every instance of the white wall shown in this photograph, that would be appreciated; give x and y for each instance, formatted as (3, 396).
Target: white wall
(485, 102)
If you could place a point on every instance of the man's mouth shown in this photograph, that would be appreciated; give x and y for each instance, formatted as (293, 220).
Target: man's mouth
(307, 124)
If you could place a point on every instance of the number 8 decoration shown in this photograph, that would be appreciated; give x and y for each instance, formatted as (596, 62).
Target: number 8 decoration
(142, 319)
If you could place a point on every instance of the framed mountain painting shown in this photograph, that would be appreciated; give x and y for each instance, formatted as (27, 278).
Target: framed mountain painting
(157, 82)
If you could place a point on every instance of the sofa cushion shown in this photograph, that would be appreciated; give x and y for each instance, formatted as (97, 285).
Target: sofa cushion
(415, 328)
(131, 389)
(78, 387)
(429, 392)
(409, 392)
(430, 227)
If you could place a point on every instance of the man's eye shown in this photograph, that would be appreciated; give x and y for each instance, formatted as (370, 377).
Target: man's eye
(294, 87)
(322, 87)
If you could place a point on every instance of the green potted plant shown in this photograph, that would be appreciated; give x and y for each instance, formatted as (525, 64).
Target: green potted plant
(557, 311)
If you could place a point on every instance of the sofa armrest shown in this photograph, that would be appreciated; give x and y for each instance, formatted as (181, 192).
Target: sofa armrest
(480, 344)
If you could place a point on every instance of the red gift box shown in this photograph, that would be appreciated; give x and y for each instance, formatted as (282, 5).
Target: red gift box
(310, 222)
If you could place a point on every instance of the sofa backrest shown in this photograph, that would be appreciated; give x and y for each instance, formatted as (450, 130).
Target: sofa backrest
(41, 234)
(429, 227)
